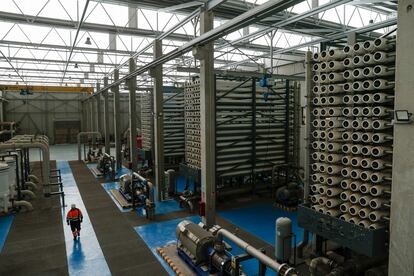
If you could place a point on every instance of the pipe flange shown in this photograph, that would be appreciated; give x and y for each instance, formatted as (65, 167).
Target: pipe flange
(286, 270)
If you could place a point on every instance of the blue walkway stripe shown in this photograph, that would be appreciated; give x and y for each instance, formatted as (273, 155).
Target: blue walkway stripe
(85, 255)
(5, 224)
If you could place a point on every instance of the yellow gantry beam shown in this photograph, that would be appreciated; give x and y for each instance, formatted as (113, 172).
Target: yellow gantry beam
(47, 88)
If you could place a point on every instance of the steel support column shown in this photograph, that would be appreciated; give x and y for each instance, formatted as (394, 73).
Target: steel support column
(133, 152)
(401, 259)
(98, 109)
(117, 122)
(158, 120)
(207, 121)
(106, 118)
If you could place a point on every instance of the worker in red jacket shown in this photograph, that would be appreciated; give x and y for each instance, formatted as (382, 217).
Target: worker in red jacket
(74, 219)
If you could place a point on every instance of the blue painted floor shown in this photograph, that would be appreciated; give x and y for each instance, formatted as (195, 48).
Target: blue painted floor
(162, 207)
(5, 224)
(84, 256)
(259, 220)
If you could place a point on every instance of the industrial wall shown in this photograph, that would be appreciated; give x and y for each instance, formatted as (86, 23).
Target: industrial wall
(37, 113)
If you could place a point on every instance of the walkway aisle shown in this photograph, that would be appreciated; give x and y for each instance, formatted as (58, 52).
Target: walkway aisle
(84, 256)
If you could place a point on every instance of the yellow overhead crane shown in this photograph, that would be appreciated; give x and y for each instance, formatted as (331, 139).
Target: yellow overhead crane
(29, 88)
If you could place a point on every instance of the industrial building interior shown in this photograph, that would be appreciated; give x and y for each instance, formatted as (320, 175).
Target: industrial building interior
(207, 137)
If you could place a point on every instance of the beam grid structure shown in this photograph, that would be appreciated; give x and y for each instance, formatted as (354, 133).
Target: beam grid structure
(106, 118)
(133, 151)
(131, 38)
(117, 122)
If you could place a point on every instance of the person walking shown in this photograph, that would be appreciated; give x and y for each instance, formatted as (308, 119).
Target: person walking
(74, 219)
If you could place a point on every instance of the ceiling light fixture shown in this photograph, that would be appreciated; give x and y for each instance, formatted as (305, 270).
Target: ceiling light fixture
(76, 65)
(88, 41)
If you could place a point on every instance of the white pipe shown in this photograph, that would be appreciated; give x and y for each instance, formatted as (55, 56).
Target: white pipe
(315, 177)
(347, 111)
(382, 71)
(315, 145)
(358, 61)
(347, 123)
(357, 99)
(364, 213)
(334, 158)
(333, 191)
(344, 207)
(346, 135)
(356, 161)
(316, 78)
(366, 150)
(366, 163)
(333, 202)
(354, 186)
(334, 123)
(375, 226)
(322, 200)
(376, 216)
(378, 203)
(367, 85)
(314, 199)
(324, 67)
(379, 164)
(367, 111)
(357, 86)
(323, 56)
(322, 157)
(354, 198)
(347, 50)
(333, 169)
(358, 48)
(383, 57)
(367, 124)
(316, 89)
(31, 185)
(28, 193)
(324, 78)
(364, 223)
(333, 147)
(383, 84)
(356, 149)
(333, 180)
(367, 99)
(335, 54)
(380, 151)
(354, 220)
(346, 172)
(336, 66)
(345, 184)
(316, 57)
(364, 200)
(367, 137)
(357, 111)
(335, 100)
(23, 203)
(378, 190)
(345, 217)
(316, 134)
(33, 179)
(316, 68)
(335, 77)
(347, 99)
(315, 188)
(384, 43)
(368, 46)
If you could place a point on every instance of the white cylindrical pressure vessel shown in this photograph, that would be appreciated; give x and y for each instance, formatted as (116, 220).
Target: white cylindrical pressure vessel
(353, 210)
(346, 148)
(367, 99)
(323, 66)
(335, 77)
(354, 186)
(334, 135)
(316, 89)
(336, 54)
(314, 199)
(382, 44)
(345, 217)
(380, 124)
(316, 57)
(347, 124)
(323, 100)
(380, 111)
(316, 68)
(347, 75)
(346, 172)
(356, 136)
(333, 202)
(357, 86)
(368, 59)
(357, 111)
(345, 195)
(333, 147)
(364, 212)
(378, 203)
(315, 156)
(323, 112)
(336, 66)
(356, 173)
(357, 124)
(322, 201)
(383, 71)
(354, 198)
(364, 188)
(356, 161)
(335, 88)
(379, 151)
(283, 239)
(346, 160)
(315, 177)
(316, 78)
(358, 61)
(357, 73)
(376, 216)
(323, 56)
(368, 85)
(368, 46)
(332, 169)
(348, 63)
(334, 122)
(367, 124)
(315, 188)
(366, 150)
(367, 111)
(368, 72)
(367, 137)
(347, 111)
(333, 158)
(348, 50)
(324, 78)
(316, 112)
(357, 99)
(347, 99)
(379, 164)
(381, 137)
(375, 226)
(365, 175)
(358, 48)
(383, 57)
(333, 212)
(334, 111)
(378, 177)
(366, 163)
(364, 200)
(333, 180)
(364, 223)
(383, 84)
(378, 190)
(344, 207)
(346, 183)
(347, 136)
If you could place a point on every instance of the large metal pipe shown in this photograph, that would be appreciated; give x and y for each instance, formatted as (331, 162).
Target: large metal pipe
(252, 251)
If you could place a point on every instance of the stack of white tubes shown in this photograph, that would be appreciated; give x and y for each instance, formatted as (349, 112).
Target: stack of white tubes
(351, 145)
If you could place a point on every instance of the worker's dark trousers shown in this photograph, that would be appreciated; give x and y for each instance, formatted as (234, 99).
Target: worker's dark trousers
(75, 225)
